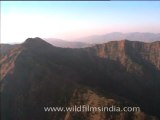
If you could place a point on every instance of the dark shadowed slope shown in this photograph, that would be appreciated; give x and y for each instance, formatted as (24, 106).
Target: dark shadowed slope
(37, 74)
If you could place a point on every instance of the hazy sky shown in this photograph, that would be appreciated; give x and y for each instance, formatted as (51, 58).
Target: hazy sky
(70, 20)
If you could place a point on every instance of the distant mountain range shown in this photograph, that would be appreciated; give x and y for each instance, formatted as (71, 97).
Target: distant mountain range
(66, 44)
(133, 36)
(99, 39)
(36, 74)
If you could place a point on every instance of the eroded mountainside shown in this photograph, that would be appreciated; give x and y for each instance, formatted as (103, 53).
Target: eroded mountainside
(137, 51)
(37, 74)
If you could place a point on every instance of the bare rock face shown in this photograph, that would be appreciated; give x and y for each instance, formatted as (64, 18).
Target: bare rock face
(36, 74)
(124, 51)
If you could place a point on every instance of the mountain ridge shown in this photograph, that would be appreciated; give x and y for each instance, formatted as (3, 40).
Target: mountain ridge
(42, 70)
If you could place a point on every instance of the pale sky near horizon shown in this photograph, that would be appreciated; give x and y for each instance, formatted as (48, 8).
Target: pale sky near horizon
(69, 20)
